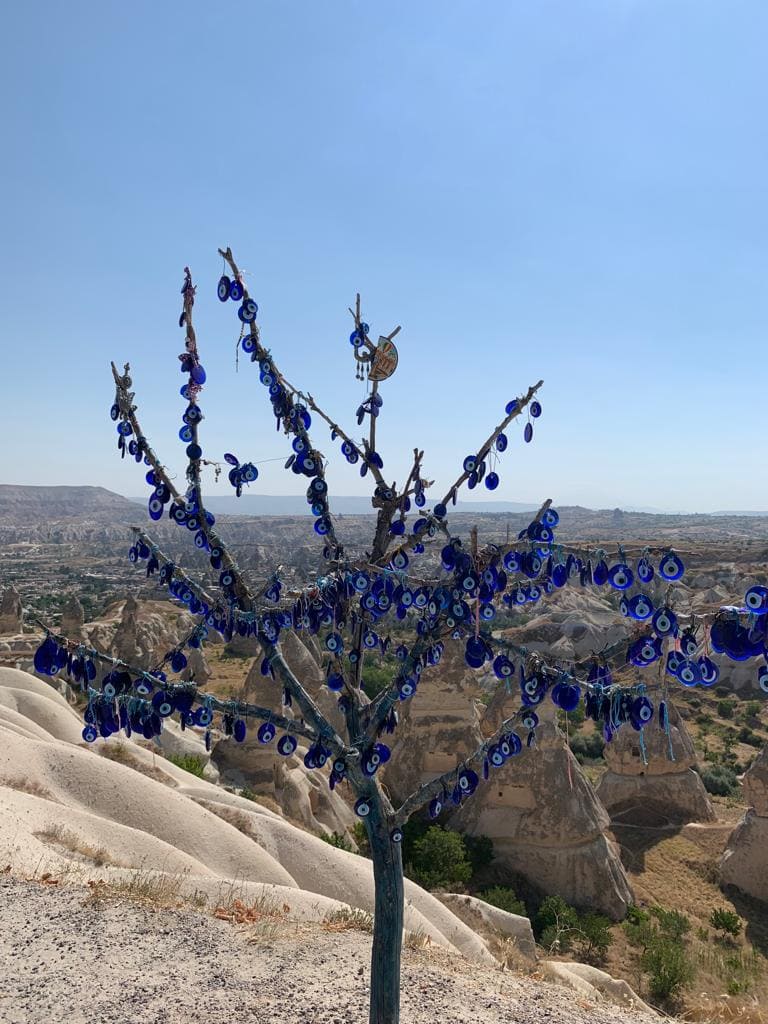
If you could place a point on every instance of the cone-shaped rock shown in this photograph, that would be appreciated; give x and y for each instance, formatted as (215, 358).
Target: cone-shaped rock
(660, 788)
(743, 865)
(539, 809)
(548, 825)
(10, 612)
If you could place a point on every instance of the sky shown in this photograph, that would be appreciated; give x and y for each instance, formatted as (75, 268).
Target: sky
(573, 190)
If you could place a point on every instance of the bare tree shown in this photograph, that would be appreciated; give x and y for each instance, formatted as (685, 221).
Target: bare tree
(353, 603)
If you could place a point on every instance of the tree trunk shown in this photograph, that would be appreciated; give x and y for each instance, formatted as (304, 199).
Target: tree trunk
(387, 921)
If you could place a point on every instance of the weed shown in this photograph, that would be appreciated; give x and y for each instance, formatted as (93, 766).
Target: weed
(189, 762)
(348, 919)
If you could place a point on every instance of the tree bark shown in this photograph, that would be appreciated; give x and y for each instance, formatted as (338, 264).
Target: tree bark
(387, 920)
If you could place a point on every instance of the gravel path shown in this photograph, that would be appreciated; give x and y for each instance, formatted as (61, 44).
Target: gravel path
(63, 961)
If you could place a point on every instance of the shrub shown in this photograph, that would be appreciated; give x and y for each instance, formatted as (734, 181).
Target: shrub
(587, 748)
(746, 735)
(439, 859)
(719, 780)
(189, 762)
(667, 965)
(360, 835)
(752, 709)
(592, 937)
(635, 915)
(479, 851)
(725, 708)
(337, 839)
(672, 923)
(504, 898)
(726, 921)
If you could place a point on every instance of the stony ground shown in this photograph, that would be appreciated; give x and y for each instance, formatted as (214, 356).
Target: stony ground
(67, 958)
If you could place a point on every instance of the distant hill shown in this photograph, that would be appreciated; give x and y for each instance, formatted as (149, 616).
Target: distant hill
(348, 505)
(22, 504)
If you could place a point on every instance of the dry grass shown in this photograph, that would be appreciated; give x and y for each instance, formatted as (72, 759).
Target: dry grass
(263, 918)
(122, 754)
(31, 786)
(150, 888)
(62, 837)
(348, 919)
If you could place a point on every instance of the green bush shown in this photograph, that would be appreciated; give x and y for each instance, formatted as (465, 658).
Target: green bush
(337, 839)
(667, 965)
(504, 898)
(719, 780)
(672, 923)
(189, 762)
(479, 851)
(360, 835)
(439, 860)
(587, 748)
(726, 921)
(746, 735)
(561, 928)
(752, 709)
(725, 708)
(635, 915)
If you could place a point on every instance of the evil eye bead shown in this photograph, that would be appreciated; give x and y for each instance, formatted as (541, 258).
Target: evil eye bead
(530, 720)
(223, 289)
(528, 433)
(468, 782)
(266, 733)
(286, 745)
(249, 343)
(645, 571)
(671, 568)
(396, 835)
(688, 673)
(762, 678)
(435, 808)
(664, 622)
(362, 808)
(496, 757)
(334, 643)
(89, 733)
(155, 508)
(502, 443)
(620, 576)
(239, 730)
(235, 291)
(535, 409)
(470, 464)
(756, 599)
(492, 481)
(249, 471)
(640, 607)
(710, 673)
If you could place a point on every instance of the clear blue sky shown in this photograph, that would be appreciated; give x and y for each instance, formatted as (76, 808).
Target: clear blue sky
(574, 190)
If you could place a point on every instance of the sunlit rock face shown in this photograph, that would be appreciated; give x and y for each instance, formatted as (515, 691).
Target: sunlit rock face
(11, 614)
(743, 864)
(539, 809)
(650, 779)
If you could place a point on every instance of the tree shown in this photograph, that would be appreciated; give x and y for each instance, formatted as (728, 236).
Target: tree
(350, 607)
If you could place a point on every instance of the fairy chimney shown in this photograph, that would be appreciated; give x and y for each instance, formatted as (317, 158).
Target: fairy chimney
(743, 863)
(11, 614)
(73, 618)
(651, 778)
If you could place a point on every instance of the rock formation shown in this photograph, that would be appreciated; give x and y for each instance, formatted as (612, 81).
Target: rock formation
(197, 667)
(11, 614)
(73, 619)
(548, 825)
(663, 790)
(743, 865)
(539, 809)
(140, 632)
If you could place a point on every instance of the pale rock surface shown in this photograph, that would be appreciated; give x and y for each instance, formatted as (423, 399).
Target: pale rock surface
(548, 825)
(663, 791)
(539, 809)
(72, 619)
(575, 623)
(588, 981)
(11, 612)
(140, 632)
(439, 725)
(743, 864)
(488, 921)
(66, 810)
